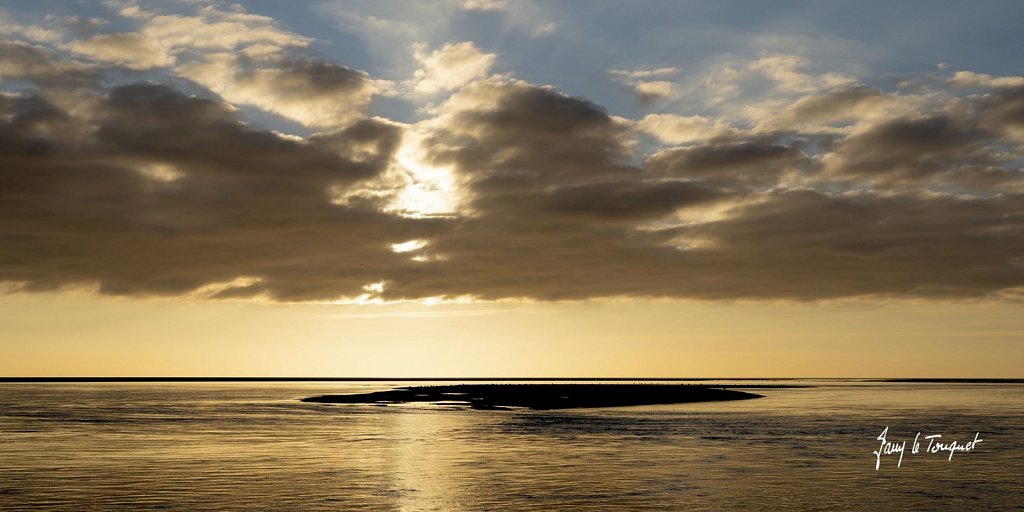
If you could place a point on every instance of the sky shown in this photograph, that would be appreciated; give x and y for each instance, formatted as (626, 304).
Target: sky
(511, 188)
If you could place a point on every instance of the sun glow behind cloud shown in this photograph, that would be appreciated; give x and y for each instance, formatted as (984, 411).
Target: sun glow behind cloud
(428, 190)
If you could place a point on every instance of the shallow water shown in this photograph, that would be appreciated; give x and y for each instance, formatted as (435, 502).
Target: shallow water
(254, 446)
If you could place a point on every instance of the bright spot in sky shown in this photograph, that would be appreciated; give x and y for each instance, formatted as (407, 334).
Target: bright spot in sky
(411, 245)
(429, 190)
(160, 171)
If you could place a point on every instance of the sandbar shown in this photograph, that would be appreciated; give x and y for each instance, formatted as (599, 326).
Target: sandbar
(542, 396)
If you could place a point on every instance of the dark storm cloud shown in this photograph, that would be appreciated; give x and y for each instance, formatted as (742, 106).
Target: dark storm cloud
(939, 149)
(159, 123)
(231, 202)
(799, 245)
(1003, 111)
(530, 138)
(805, 244)
(537, 153)
(627, 201)
(142, 189)
(756, 162)
(324, 78)
(560, 240)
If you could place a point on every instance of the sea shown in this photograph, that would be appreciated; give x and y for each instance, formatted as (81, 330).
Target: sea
(78, 446)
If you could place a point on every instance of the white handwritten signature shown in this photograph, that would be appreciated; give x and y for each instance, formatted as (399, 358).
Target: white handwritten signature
(935, 445)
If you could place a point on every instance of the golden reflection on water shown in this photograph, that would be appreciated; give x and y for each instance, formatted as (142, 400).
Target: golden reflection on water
(245, 447)
(419, 471)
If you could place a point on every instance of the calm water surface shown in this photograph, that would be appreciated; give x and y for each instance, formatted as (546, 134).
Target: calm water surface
(254, 446)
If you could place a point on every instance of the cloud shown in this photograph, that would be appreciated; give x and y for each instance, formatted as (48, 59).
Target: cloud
(558, 213)
(785, 71)
(971, 79)
(675, 129)
(643, 73)
(544, 29)
(232, 202)
(627, 200)
(131, 50)
(758, 90)
(483, 5)
(246, 58)
(503, 135)
(315, 93)
(214, 29)
(160, 188)
(28, 32)
(387, 29)
(732, 162)
(1002, 112)
(22, 61)
(449, 67)
(806, 244)
(841, 104)
(937, 149)
(648, 92)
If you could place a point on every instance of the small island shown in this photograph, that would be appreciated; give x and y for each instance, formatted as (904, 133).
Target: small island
(542, 396)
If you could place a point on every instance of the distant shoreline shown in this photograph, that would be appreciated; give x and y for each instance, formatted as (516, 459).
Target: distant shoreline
(541, 396)
(508, 379)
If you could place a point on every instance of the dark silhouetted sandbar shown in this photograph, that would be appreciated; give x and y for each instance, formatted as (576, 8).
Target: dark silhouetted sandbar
(542, 396)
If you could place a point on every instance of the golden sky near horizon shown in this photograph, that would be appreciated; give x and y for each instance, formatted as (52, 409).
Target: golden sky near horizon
(451, 188)
(76, 335)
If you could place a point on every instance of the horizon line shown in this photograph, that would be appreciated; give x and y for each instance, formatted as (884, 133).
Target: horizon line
(501, 379)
